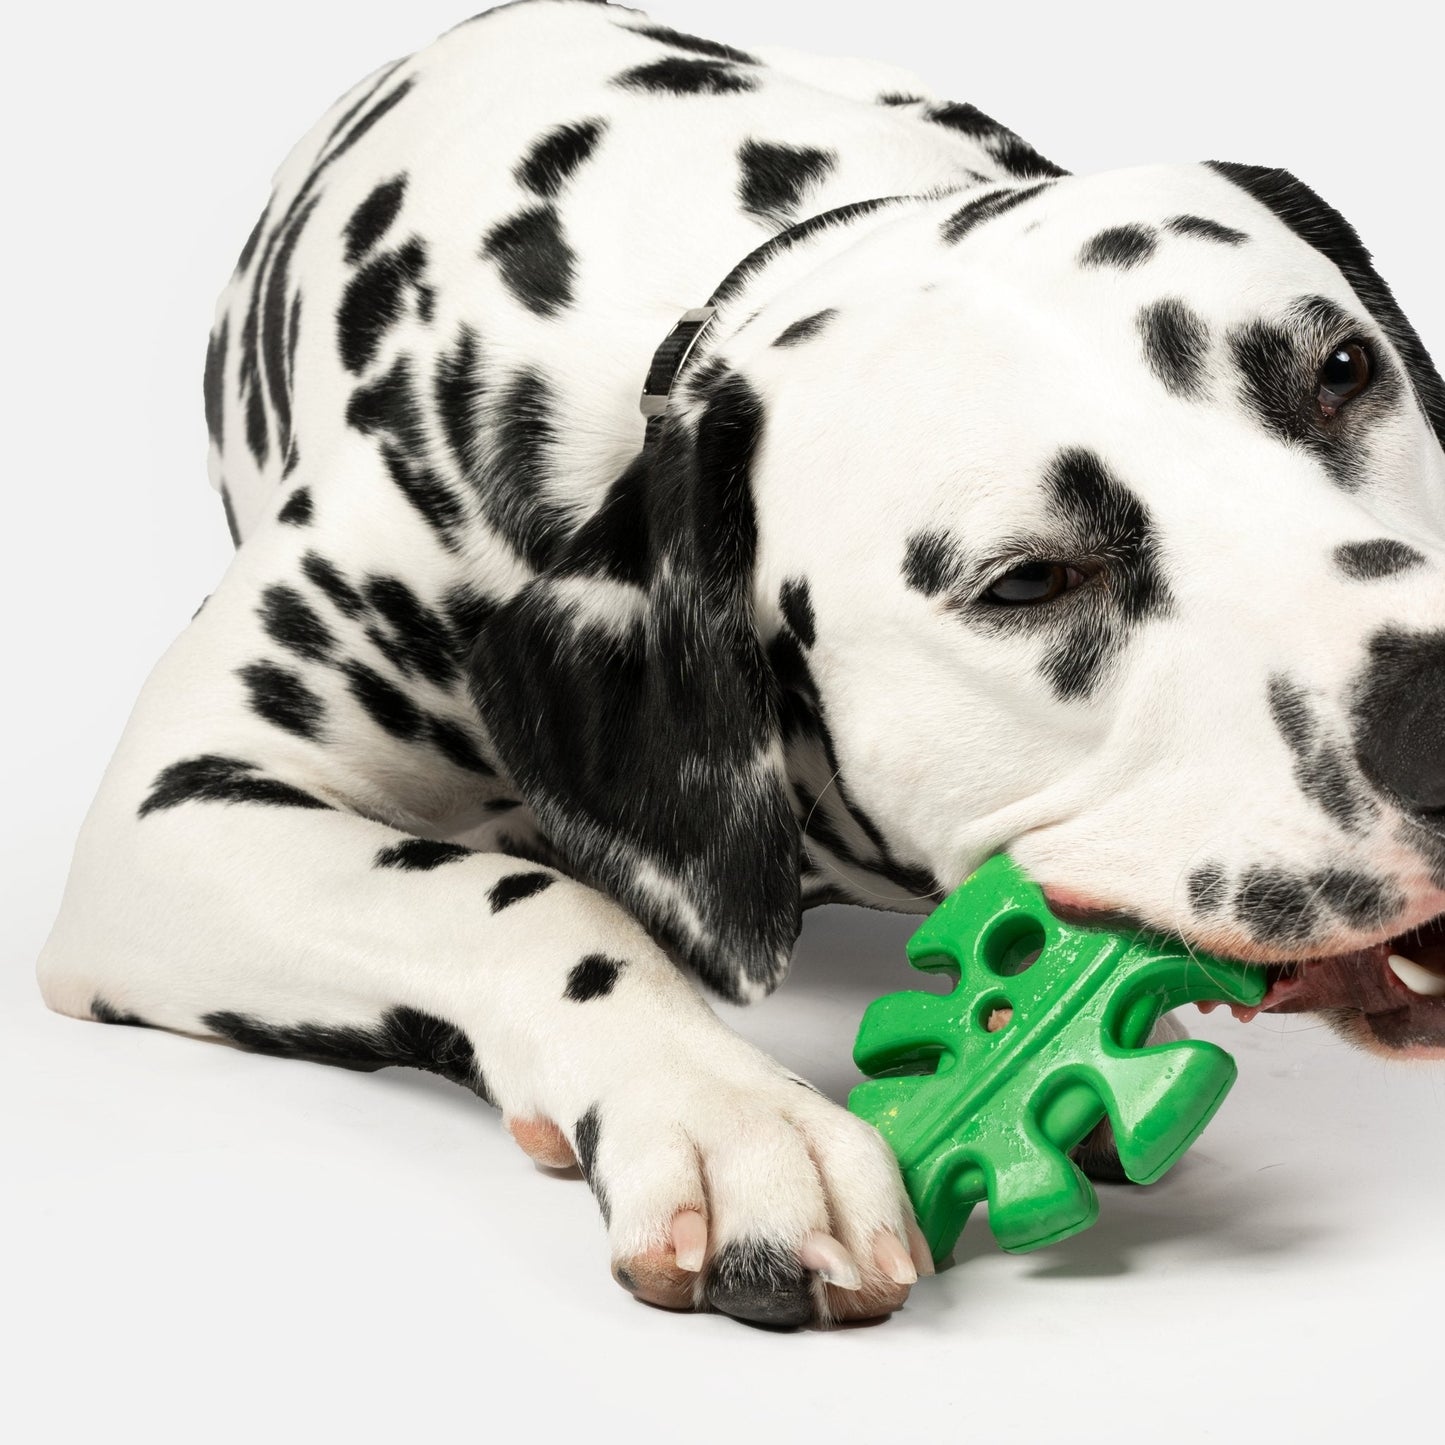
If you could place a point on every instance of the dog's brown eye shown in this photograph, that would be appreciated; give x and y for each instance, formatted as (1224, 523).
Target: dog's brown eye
(1032, 582)
(1343, 377)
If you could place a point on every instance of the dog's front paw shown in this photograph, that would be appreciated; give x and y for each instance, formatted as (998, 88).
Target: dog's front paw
(750, 1194)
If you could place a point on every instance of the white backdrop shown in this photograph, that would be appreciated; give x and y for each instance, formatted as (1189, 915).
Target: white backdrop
(203, 1244)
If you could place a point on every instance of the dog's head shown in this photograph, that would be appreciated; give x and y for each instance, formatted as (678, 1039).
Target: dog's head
(1101, 520)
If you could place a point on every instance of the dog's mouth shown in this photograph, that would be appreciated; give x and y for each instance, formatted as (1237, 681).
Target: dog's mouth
(1391, 995)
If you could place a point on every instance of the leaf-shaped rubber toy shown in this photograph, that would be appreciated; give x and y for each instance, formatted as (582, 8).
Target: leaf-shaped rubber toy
(976, 1114)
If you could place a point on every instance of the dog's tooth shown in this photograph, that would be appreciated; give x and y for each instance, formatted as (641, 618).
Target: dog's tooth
(823, 1253)
(1417, 978)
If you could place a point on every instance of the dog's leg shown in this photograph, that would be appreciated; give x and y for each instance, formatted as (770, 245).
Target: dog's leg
(228, 884)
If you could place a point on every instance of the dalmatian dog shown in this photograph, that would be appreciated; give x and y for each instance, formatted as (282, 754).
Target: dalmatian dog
(969, 505)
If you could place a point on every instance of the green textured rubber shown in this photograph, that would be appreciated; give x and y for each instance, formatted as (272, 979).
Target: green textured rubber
(975, 1114)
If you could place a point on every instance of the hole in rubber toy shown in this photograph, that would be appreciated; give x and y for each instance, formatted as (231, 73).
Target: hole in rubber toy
(995, 1014)
(1012, 945)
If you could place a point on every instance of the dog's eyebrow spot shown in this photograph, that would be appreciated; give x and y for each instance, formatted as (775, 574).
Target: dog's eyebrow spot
(932, 562)
(1369, 561)
(1205, 230)
(774, 177)
(1122, 247)
(1207, 886)
(805, 327)
(1110, 519)
(556, 156)
(420, 855)
(984, 208)
(592, 978)
(1176, 344)
(796, 603)
(517, 886)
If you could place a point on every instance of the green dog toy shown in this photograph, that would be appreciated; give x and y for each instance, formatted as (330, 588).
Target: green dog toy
(978, 1102)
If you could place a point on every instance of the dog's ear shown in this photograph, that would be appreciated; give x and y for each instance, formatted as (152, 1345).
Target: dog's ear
(1315, 221)
(627, 692)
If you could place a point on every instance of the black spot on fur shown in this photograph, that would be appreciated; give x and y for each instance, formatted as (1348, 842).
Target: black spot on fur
(592, 978)
(375, 299)
(984, 208)
(557, 156)
(515, 499)
(585, 1135)
(420, 855)
(459, 392)
(760, 1282)
(388, 409)
(1176, 345)
(344, 597)
(210, 778)
(1275, 906)
(402, 1037)
(696, 43)
(775, 176)
(290, 620)
(465, 610)
(215, 382)
(389, 707)
(373, 218)
(1207, 887)
(677, 76)
(1205, 230)
(805, 327)
(1369, 561)
(796, 602)
(1010, 151)
(1122, 247)
(534, 258)
(1361, 899)
(1324, 228)
(931, 563)
(419, 640)
(232, 526)
(279, 695)
(459, 749)
(1322, 767)
(898, 97)
(106, 1013)
(297, 509)
(517, 886)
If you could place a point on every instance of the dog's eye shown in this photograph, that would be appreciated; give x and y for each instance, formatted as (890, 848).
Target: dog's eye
(1343, 377)
(1032, 582)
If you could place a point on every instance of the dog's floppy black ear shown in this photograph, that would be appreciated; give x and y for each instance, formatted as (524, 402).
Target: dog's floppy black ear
(1315, 221)
(627, 692)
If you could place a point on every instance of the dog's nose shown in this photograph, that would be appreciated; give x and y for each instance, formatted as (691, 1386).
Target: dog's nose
(1400, 719)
